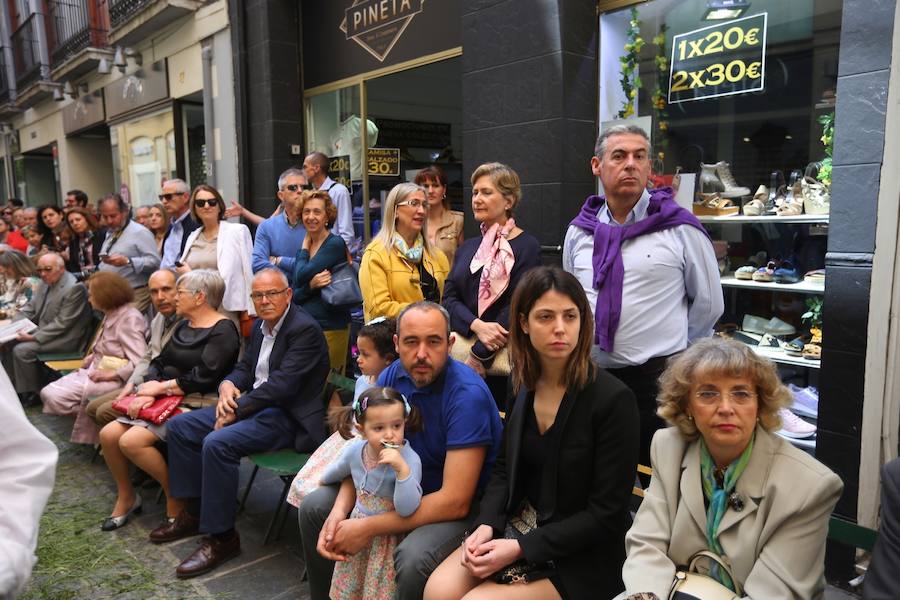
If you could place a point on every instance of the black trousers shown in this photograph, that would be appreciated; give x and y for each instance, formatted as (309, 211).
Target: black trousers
(643, 381)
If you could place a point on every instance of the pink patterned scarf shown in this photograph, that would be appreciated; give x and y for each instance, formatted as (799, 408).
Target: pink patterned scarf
(496, 256)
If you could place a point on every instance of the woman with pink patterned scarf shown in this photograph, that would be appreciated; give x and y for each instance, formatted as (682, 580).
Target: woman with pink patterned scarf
(486, 270)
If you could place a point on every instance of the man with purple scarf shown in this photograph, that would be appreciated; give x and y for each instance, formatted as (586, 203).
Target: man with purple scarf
(647, 265)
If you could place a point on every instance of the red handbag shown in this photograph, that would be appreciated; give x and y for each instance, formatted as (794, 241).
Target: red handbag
(157, 413)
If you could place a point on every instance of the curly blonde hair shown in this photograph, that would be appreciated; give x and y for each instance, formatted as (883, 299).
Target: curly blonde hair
(718, 356)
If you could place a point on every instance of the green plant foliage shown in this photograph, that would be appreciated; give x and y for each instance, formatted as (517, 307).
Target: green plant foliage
(630, 80)
(660, 94)
(827, 122)
(813, 314)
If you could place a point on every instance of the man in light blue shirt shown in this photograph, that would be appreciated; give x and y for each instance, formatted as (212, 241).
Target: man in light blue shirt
(670, 294)
(279, 238)
(175, 198)
(315, 166)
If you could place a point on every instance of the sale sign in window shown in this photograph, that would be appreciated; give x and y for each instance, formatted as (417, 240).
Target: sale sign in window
(720, 60)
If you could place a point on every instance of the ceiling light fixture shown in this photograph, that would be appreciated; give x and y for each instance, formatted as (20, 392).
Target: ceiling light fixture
(719, 10)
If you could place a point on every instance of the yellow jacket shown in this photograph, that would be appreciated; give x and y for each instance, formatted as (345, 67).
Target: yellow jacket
(389, 282)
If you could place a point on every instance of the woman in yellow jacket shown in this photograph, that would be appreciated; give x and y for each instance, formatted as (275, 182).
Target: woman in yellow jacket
(400, 266)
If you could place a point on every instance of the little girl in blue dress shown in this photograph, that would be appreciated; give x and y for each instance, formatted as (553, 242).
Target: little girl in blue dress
(387, 475)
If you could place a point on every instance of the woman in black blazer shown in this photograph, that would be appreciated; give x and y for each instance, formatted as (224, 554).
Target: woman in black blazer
(566, 466)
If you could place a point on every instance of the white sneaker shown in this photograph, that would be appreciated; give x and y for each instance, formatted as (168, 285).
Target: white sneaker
(806, 401)
(793, 426)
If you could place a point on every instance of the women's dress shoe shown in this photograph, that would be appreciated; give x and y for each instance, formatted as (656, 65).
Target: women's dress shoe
(812, 351)
(182, 526)
(211, 553)
(745, 273)
(816, 277)
(765, 274)
(794, 347)
(709, 180)
(786, 273)
(776, 192)
(754, 208)
(816, 196)
(714, 205)
(112, 523)
(732, 189)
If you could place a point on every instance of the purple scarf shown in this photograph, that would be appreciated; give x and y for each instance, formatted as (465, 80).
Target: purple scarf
(609, 270)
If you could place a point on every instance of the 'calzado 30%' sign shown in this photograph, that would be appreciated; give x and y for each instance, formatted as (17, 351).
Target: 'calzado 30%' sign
(719, 60)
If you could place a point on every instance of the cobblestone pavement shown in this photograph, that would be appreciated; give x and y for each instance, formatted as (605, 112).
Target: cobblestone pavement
(78, 561)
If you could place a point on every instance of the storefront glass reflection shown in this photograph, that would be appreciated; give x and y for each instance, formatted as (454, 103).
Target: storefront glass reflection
(144, 156)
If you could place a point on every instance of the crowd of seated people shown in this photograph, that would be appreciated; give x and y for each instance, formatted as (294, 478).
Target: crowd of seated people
(484, 452)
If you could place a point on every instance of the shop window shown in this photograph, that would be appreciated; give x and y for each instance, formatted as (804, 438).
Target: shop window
(143, 156)
(741, 103)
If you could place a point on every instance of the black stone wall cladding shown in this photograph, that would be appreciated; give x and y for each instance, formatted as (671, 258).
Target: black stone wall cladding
(268, 93)
(529, 77)
(864, 68)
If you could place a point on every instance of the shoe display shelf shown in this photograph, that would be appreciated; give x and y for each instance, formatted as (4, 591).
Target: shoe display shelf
(764, 219)
(736, 286)
(801, 287)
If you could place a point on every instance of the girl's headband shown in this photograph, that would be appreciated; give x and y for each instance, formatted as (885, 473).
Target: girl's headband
(360, 405)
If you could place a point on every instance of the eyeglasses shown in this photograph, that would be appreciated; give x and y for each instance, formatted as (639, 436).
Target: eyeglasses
(44, 269)
(413, 203)
(269, 295)
(170, 196)
(201, 202)
(293, 187)
(182, 291)
(737, 397)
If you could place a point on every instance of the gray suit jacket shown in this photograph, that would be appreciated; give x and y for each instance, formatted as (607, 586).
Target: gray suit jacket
(776, 544)
(61, 312)
(159, 337)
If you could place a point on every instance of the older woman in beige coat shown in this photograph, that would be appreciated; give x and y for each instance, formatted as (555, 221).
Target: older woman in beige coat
(720, 463)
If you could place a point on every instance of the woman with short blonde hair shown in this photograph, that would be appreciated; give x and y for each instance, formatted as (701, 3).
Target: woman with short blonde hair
(723, 482)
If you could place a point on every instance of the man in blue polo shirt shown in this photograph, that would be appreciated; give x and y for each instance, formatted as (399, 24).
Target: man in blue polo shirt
(278, 238)
(457, 446)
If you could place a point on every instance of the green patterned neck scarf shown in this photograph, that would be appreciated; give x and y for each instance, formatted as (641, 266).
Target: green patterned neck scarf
(717, 497)
(413, 254)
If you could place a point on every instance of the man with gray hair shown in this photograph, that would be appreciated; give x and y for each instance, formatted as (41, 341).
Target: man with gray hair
(279, 238)
(129, 249)
(62, 314)
(270, 401)
(175, 197)
(648, 267)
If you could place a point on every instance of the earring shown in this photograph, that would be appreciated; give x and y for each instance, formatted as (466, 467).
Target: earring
(690, 418)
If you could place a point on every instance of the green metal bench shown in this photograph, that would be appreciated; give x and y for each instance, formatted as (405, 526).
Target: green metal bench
(287, 463)
(849, 533)
(66, 362)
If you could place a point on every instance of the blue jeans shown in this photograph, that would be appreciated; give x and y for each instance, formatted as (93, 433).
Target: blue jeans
(204, 463)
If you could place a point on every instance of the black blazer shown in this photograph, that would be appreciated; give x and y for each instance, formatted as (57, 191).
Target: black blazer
(189, 225)
(96, 243)
(298, 369)
(586, 487)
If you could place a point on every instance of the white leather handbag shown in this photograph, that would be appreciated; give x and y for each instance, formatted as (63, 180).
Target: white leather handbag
(689, 584)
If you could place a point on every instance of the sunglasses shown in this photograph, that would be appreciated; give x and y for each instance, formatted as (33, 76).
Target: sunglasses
(201, 202)
(293, 187)
(169, 196)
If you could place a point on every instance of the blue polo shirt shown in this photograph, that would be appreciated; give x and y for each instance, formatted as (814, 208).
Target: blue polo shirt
(276, 237)
(458, 411)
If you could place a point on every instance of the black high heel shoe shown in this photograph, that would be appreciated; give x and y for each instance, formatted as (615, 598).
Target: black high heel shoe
(112, 523)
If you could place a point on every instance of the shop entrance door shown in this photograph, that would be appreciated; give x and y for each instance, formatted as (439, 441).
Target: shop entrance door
(413, 118)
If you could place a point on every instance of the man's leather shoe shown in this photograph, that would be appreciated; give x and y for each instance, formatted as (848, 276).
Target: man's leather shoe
(182, 526)
(210, 554)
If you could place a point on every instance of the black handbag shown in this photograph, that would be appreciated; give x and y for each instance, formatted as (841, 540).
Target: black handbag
(344, 288)
(522, 570)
